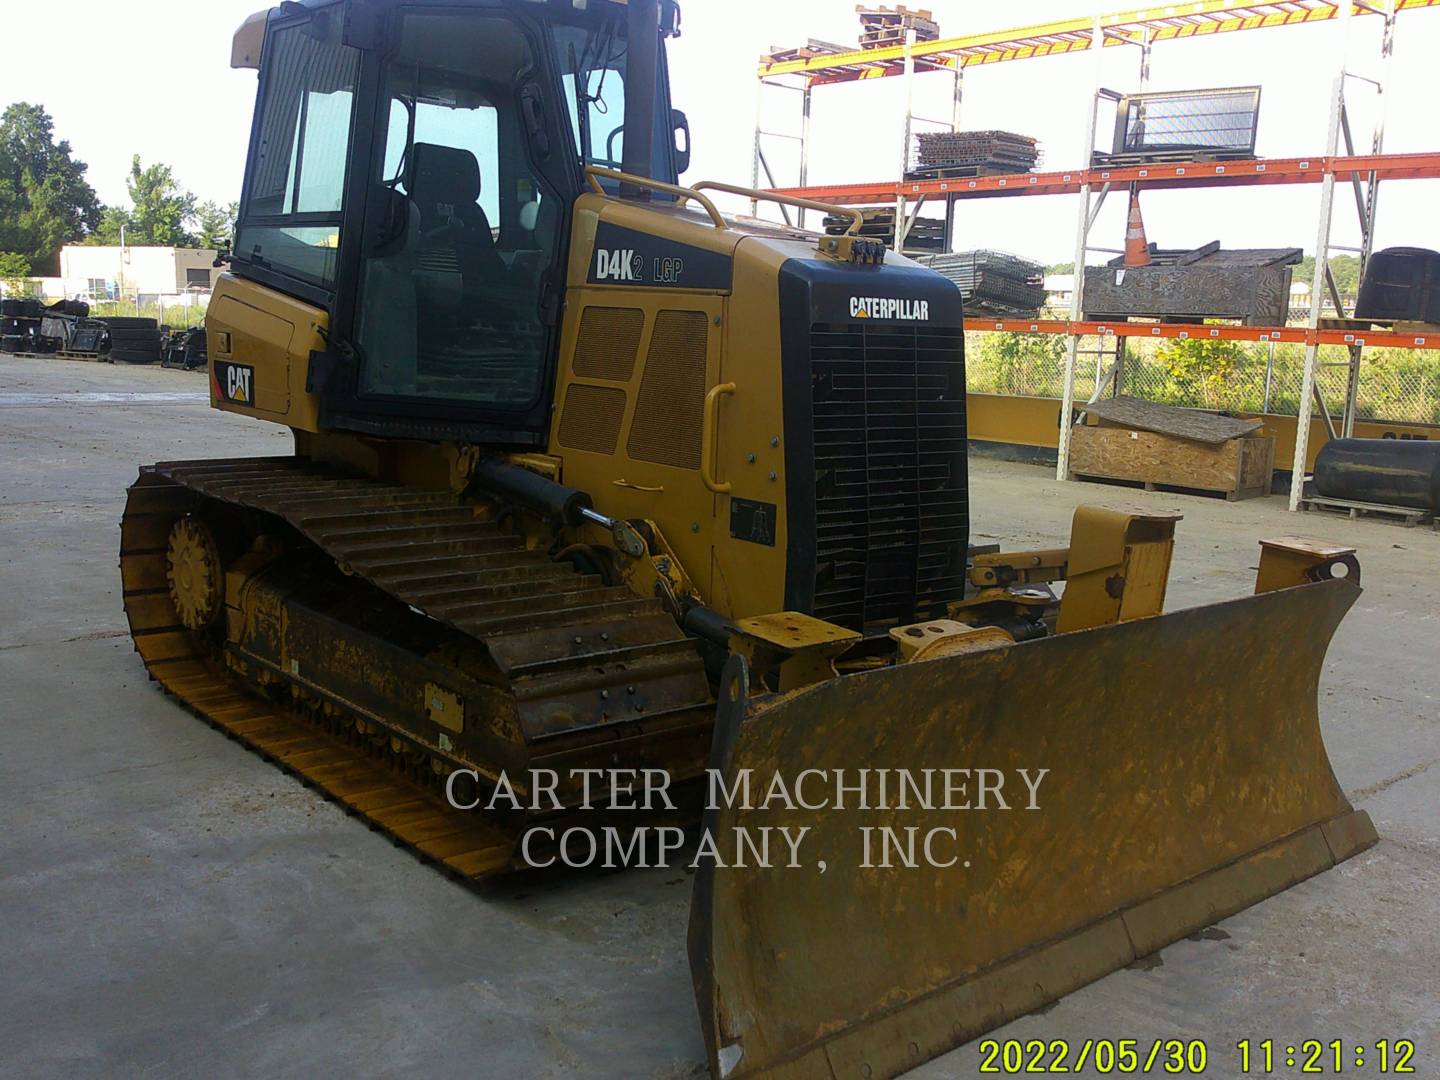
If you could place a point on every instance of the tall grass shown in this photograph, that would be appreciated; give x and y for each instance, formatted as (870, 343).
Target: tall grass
(166, 313)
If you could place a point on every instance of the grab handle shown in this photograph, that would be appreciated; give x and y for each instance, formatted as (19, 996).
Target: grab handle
(707, 438)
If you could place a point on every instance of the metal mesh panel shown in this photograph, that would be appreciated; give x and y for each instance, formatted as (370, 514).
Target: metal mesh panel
(608, 343)
(669, 414)
(592, 418)
(1202, 119)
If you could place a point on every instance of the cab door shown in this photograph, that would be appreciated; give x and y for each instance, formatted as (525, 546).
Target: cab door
(458, 284)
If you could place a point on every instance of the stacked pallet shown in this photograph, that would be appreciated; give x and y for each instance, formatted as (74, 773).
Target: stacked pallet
(780, 54)
(993, 282)
(880, 27)
(973, 153)
(926, 234)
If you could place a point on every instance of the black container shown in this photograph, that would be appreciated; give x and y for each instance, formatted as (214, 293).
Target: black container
(1401, 283)
(1393, 472)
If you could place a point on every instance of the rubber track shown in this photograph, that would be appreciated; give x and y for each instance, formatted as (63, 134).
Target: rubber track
(549, 629)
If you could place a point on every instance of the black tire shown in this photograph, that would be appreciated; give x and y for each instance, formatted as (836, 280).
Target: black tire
(135, 337)
(12, 344)
(135, 356)
(130, 323)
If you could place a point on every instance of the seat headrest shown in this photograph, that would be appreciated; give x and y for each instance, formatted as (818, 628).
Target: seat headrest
(444, 174)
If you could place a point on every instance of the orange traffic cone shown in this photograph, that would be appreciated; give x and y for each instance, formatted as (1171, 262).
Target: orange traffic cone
(1137, 249)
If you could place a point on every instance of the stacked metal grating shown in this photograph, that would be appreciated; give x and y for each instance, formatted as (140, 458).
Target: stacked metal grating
(926, 234)
(993, 282)
(972, 153)
(881, 27)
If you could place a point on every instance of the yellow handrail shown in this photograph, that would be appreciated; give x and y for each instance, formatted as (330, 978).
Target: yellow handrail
(594, 172)
(858, 219)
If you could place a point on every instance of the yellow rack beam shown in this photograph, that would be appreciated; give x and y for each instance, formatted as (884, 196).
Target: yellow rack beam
(1195, 18)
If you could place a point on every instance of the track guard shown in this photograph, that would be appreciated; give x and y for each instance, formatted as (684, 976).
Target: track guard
(1188, 781)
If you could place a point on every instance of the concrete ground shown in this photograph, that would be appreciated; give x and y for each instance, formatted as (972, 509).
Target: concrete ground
(173, 905)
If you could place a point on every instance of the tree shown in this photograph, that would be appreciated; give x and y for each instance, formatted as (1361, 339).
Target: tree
(14, 269)
(163, 214)
(45, 201)
(161, 208)
(216, 224)
(108, 232)
(1345, 269)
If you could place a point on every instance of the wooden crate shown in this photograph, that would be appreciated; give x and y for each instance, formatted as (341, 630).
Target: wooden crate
(1237, 468)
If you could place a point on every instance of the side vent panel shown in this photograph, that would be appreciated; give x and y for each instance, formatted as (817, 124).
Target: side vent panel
(592, 418)
(669, 412)
(608, 343)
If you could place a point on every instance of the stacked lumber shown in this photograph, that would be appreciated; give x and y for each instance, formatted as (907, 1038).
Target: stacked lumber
(881, 27)
(993, 282)
(973, 153)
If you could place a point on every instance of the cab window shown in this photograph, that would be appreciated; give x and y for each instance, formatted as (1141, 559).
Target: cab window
(452, 290)
(290, 221)
(593, 74)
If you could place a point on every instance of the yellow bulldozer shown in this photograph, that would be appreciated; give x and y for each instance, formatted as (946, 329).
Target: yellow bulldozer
(592, 480)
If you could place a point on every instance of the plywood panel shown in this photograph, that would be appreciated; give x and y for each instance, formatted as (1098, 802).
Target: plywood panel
(1137, 414)
(1236, 467)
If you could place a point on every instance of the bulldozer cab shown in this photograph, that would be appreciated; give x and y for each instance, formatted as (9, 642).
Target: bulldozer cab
(412, 172)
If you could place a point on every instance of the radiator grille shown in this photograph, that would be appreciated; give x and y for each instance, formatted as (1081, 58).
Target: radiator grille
(592, 418)
(891, 491)
(669, 412)
(608, 343)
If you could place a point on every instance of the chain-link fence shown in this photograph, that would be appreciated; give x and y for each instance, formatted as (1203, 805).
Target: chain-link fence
(179, 311)
(1398, 385)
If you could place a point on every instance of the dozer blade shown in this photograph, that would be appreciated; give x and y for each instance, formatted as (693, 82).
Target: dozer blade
(1188, 780)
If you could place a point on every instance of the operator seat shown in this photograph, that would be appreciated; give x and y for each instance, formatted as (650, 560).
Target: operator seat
(455, 236)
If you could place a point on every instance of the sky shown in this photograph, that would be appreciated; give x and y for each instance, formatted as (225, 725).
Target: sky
(153, 77)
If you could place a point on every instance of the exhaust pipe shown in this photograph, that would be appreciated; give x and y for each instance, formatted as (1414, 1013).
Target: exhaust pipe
(642, 68)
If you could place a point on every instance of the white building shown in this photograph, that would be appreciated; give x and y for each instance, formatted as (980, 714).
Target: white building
(1059, 290)
(114, 273)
